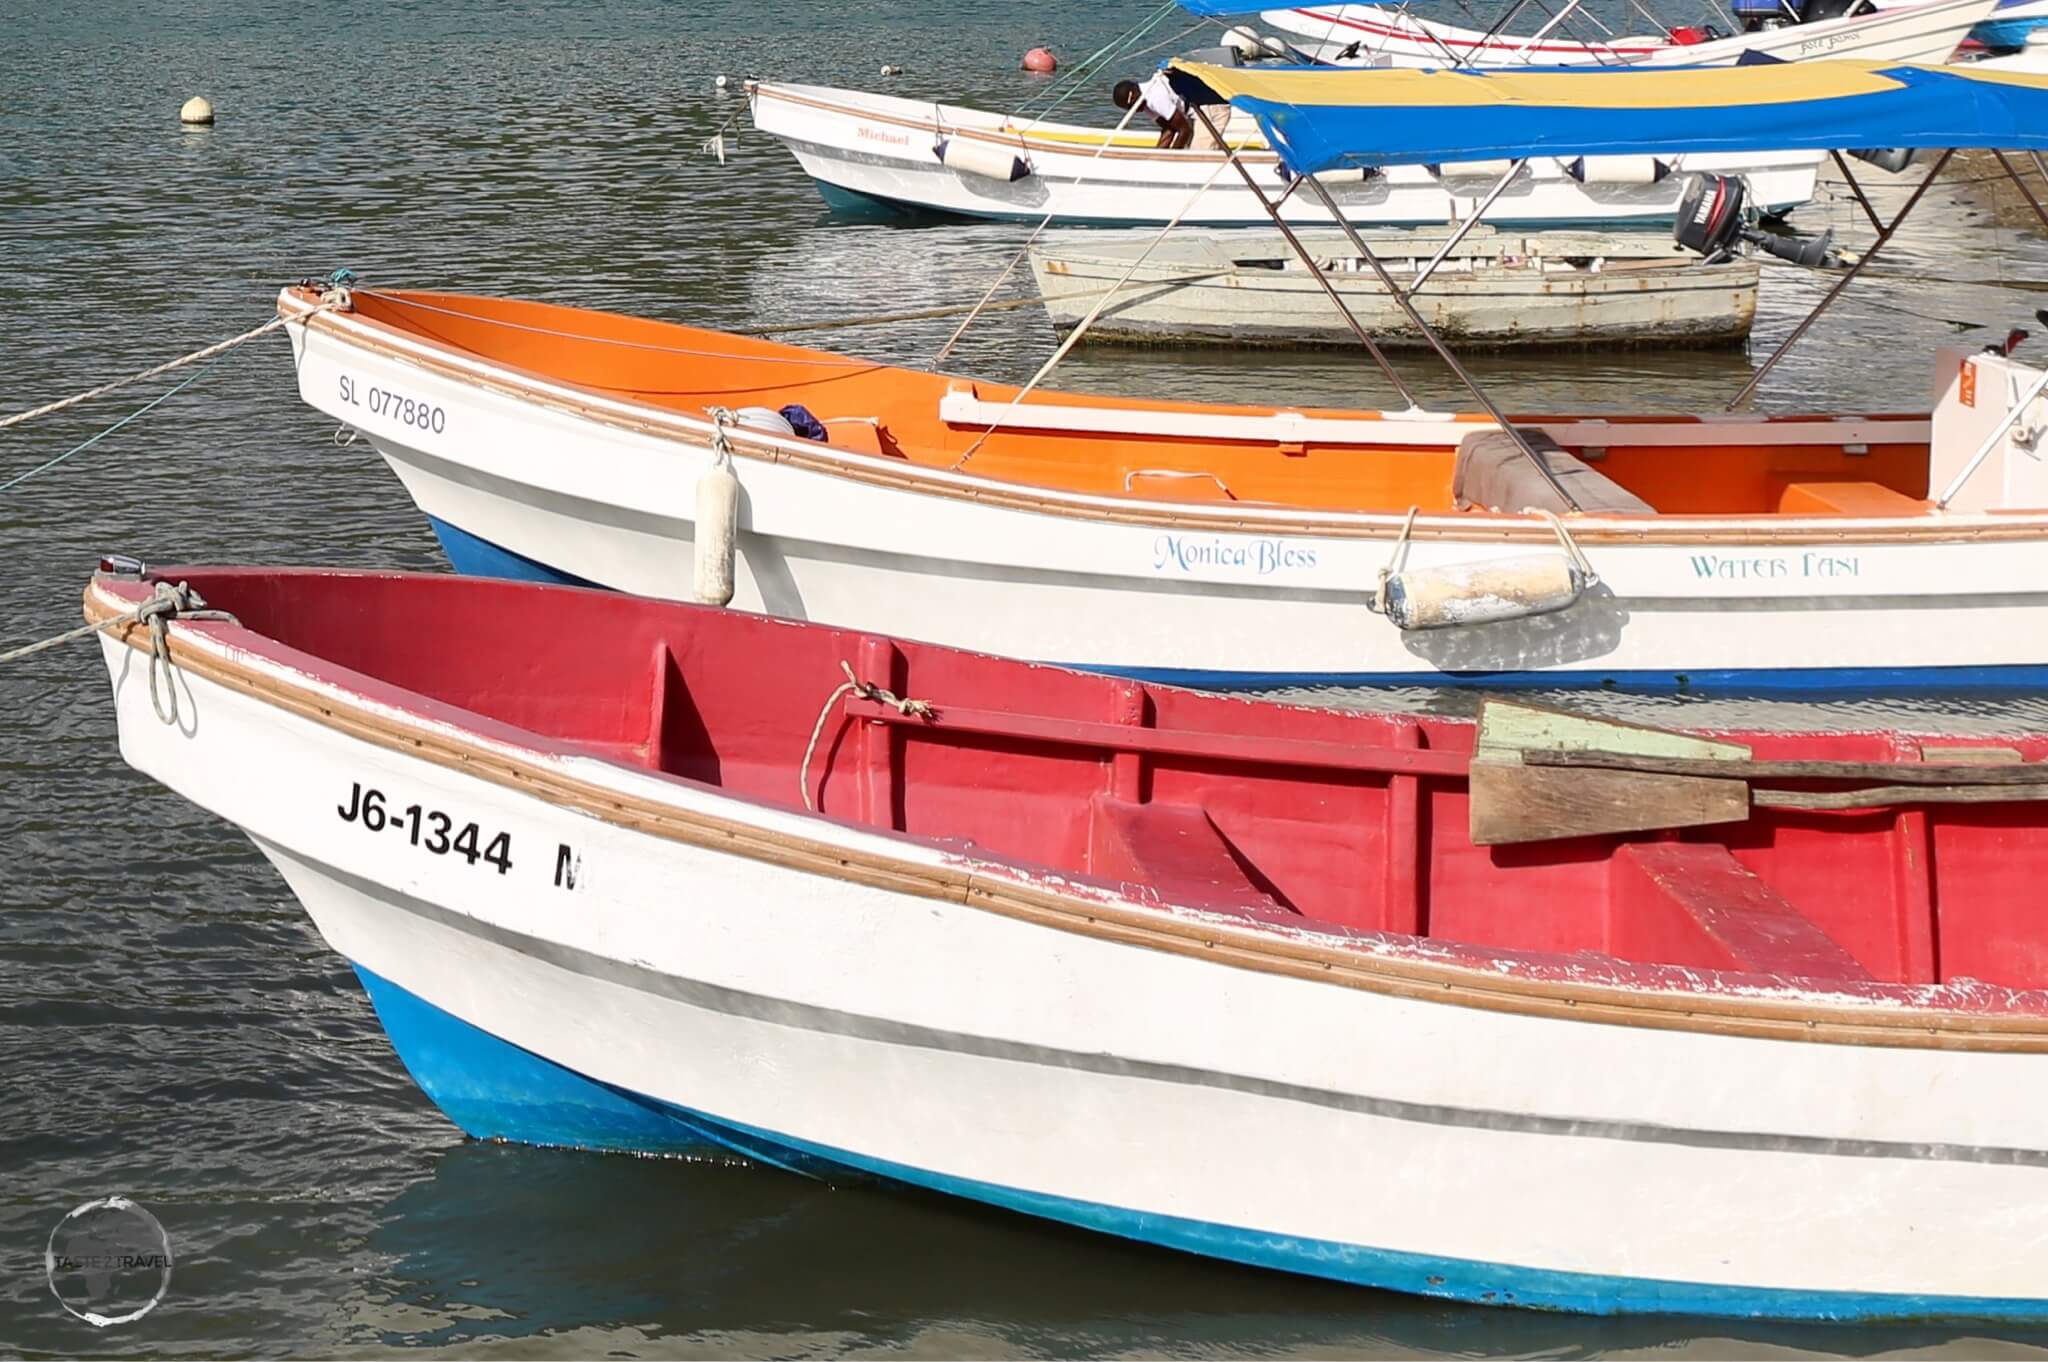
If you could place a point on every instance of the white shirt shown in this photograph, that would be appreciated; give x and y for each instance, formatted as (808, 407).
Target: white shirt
(1158, 97)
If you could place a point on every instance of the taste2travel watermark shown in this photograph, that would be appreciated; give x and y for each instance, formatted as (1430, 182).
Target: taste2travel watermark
(109, 1262)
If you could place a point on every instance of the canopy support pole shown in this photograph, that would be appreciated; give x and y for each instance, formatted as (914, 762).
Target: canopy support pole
(1465, 227)
(1442, 350)
(1849, 277)
(1876, 223)
(2021, 185)
(1315, 270)
(1540, 34)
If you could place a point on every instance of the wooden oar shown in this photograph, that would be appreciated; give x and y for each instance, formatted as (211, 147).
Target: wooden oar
(1539, 774)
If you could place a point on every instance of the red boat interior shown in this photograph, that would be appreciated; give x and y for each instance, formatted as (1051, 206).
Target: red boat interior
(1225, 804)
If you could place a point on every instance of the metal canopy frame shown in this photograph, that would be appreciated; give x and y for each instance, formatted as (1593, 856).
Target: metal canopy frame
(1402, 299)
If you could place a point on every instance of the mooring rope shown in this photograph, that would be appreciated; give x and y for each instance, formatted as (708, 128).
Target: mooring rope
(208, 352)
(166, 603)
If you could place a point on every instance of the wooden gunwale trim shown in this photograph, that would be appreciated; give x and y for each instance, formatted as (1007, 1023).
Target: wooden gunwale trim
(1367, 525)
(1813, 1018)
(1013, 137)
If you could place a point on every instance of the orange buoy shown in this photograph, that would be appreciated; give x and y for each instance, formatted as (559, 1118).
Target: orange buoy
(1041, 60)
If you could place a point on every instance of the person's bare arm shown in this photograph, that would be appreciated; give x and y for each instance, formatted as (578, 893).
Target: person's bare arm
(1176, 132)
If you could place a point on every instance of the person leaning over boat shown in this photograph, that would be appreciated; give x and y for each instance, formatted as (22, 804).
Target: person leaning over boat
(1177, 127)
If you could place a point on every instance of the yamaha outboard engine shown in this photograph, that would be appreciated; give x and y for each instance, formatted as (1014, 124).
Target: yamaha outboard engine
(1755, 15)
(1711, 220)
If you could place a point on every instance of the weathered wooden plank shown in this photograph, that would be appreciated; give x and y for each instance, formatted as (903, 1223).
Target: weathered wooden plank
(1515, 803)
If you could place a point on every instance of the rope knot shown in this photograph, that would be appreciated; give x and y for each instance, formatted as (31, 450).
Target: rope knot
(868, 690)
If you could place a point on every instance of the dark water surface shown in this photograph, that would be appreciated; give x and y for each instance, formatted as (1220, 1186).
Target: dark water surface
(170, 1027)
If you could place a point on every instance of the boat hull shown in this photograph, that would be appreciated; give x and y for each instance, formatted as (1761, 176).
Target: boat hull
(876, 150)
(1198, 294)
(1902, 33)
(553, 485)
(684, 992)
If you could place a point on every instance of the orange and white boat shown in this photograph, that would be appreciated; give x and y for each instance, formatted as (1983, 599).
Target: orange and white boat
(1221, 544)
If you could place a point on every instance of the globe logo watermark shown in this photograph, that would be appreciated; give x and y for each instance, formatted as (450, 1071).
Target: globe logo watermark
(109, 1262)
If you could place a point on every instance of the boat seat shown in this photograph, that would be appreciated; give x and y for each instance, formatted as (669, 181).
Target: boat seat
(1175, 851)
(1492, 472)
(1690, 903)
(1846, 498)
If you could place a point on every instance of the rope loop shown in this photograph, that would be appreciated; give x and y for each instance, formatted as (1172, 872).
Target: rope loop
(721, 443)
(865, 690)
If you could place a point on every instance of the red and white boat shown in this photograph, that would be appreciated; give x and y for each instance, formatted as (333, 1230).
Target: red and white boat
(1362, 996)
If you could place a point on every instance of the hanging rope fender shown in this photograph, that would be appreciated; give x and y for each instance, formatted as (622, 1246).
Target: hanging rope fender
(865, 690)
(166, 603)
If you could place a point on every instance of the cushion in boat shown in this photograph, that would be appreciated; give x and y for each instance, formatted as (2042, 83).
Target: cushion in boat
(1491, 471)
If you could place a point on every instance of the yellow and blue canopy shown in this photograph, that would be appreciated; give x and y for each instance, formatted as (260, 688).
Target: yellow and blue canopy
(1320, 119)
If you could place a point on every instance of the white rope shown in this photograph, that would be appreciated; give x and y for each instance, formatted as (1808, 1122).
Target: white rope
(1080, 330)
(165, 603)
(866, 690)
(164, 368)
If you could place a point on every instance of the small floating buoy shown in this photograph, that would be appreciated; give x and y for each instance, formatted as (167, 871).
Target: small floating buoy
(196, 111)
(889, 70)
(1041, 60)
(721, 82)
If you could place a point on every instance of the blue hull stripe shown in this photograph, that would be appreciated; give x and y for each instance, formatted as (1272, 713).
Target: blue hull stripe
(476, 557)
(496, 1090)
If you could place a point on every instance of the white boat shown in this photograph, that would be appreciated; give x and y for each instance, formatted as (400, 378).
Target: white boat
(1494, 289)
(868, 150)
(1219, 977)
(1375, 35)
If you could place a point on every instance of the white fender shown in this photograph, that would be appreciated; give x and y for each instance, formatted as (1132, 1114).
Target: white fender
(1480, 593)
(718, 509)
(966, 156)
(1617, 169)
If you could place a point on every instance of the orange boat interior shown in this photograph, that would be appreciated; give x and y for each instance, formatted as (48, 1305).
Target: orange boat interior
(1245, 808)
(1178, 451)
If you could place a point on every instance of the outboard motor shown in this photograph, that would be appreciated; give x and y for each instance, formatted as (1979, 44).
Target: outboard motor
(1757, 15)
(1711, 220)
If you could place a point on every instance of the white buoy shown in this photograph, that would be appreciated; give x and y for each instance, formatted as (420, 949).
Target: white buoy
(1241, 40)
(718, 509)
(889, 70)
(721, 82)
(196, 112)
